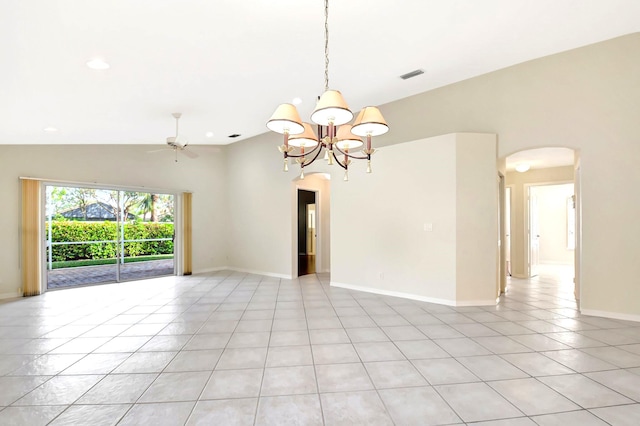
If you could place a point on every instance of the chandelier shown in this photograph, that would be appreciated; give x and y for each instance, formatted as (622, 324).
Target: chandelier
(341, 141)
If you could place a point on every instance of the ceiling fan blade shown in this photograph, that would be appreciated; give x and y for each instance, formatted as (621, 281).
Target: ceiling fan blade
(189, 153)
(158, 150)
(207, 148)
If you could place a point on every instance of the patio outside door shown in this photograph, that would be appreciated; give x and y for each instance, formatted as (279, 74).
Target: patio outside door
(96, 236)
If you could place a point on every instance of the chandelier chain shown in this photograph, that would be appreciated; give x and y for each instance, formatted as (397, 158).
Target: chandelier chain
(326, 45)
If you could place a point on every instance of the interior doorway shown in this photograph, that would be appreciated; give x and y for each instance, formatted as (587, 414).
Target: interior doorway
(552, 227)
(306, 232)
(538, 246)
(311, 224)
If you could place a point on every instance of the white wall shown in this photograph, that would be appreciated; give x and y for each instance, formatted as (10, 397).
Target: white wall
(552, 217)
(117, 165)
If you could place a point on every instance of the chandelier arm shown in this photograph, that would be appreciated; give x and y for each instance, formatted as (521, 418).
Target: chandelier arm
(344, 166)
(355, 157)
(335, 146)
(315, 157)
(308, 152)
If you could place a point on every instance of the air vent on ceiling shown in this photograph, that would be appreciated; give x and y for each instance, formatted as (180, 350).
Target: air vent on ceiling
(411, 74)
(235, 135)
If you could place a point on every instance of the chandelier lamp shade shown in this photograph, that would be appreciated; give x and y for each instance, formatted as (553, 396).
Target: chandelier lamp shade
(340, 141)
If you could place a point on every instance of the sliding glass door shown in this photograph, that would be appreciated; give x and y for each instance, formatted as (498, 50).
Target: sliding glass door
(97, 235)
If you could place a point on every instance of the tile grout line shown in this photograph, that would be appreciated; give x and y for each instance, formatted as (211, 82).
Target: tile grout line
(555, 312)
(266, 357)
(174, 357)
(313, 358)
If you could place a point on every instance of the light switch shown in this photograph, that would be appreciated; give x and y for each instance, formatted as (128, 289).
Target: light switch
(428, 227)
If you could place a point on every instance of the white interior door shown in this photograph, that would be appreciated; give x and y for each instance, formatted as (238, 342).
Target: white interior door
(534, 234)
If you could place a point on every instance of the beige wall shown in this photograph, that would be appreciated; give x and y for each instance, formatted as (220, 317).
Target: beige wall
(259, 207)
(117, 165)
(518, 183)
(377, 220)
(378, 231)
(585, 99)
(378, 237)
(477, 206)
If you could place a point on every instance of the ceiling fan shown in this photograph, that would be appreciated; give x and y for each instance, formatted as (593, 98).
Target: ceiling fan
(177, 143)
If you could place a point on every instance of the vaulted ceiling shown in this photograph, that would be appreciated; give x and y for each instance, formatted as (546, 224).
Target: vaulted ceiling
(227, 64)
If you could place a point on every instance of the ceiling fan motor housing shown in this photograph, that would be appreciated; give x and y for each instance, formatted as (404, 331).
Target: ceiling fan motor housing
(176, 141)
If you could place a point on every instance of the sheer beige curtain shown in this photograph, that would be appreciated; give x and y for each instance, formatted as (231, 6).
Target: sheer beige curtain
(187, 233)
(30, 238)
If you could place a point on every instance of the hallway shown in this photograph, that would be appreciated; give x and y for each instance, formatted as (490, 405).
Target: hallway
(551, 289)
(235, 348)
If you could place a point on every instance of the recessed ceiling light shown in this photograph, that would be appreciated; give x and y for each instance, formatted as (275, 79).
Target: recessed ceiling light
(209, 134)
(50, 129)
(296, 101)
(522, 167)
(97, 64)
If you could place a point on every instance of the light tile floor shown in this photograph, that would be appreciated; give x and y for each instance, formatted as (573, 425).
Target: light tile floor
(231, 348)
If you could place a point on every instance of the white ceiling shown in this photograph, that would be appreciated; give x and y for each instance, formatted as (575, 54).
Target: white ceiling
(541, 158)
(227, 64)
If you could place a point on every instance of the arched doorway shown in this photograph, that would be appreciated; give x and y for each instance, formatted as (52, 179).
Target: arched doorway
(311, 240)
(542, 198)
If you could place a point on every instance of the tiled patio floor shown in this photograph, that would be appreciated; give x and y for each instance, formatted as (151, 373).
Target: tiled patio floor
(70, 277)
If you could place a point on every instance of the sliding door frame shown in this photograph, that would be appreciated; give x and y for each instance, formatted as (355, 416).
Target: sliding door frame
(177, 220)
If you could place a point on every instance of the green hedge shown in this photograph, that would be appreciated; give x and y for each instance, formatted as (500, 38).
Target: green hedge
(73, 231)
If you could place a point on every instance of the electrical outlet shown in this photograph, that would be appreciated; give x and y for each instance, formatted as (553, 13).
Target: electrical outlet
(382, 275)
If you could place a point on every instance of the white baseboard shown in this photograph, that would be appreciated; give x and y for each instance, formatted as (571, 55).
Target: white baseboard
(13, 295)
(612, 315)
(522, 277)
(410, 296)
(216, 269)
(248, 271)
(487, 302)
(266, 274)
